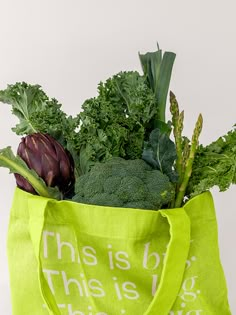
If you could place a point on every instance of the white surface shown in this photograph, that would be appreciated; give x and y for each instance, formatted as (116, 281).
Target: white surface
(69, 46)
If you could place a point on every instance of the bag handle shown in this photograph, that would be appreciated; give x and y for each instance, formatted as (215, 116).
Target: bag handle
(173, 266)
(37, 215)
(174, 262)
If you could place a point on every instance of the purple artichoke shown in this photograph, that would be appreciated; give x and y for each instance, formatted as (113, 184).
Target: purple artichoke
(50, 161)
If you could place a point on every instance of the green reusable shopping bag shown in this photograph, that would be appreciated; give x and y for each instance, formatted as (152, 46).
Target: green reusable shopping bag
(74, 259)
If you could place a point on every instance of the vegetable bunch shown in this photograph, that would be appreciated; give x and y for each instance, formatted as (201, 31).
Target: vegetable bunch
(119, 150)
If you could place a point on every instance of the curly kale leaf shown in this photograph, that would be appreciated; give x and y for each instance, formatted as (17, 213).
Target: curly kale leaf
(214, 165)
(38, 113)
(118, 120)
(25, 100)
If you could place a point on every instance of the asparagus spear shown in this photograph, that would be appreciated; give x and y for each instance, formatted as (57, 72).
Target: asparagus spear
(177, 122)
(185, 152)
(189, 162)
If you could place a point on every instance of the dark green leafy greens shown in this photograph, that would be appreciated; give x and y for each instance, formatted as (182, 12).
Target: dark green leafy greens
(125, 120)
(160, 153)
(128, 107)
(36, 112)
(117, 121)
(214, 165)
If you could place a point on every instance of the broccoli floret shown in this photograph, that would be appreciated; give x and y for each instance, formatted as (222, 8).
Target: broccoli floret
(131, 189)
(159, 187)
(111, 183)
(124, 183)
(137, 168)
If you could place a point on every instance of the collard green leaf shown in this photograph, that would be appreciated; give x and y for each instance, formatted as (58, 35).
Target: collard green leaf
(163, 127)
(160, 153)
(16, 165)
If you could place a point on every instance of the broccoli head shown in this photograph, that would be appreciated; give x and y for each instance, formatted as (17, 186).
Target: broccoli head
(124, 183)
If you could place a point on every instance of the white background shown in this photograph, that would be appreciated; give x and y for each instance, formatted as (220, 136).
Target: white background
(69, 46)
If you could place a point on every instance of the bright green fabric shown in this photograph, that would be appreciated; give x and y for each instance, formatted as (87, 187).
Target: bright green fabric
(67, 258)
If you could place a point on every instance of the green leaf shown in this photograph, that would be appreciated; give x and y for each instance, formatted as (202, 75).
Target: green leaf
(214, 165)
(160, 153)
(86, 163)
(35, 111)
(221, 173)
(25, 100)
(163, 127)
(16, 165)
